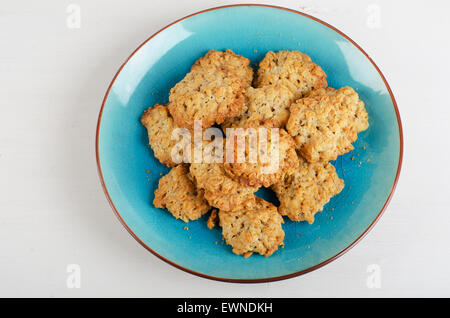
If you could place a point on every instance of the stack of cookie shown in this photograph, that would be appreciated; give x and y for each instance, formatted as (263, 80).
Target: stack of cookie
(315, 124)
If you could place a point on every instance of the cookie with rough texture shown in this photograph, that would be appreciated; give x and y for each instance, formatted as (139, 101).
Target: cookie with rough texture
(325, 123)
(230, 62)
(258, 163)
(239, 120)
(268, 104)
(347, 99)
(304, 192)
(257, 230)
(212, 91)
(221, 191)
(160, 126)
(177, 193)
(292, 69)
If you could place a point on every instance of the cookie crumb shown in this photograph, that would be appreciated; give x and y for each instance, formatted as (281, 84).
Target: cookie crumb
(212, 220)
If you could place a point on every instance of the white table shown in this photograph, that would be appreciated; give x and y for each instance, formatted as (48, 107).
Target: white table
(53, 213)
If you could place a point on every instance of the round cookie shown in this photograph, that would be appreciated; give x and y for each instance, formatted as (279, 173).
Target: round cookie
(347, 99)
(292, 69)
(325, 123)
(263, 165)
(228, 61)
(304, 192)
(257, 230)
(177, 193)
(212, 91)
(221, 191)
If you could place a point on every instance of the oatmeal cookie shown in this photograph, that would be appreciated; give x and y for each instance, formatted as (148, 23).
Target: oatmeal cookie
(160, 126)
(262, 164)
(325, 123)
(221, 191)
(293, 69)
(241, 118)
(229, 61)
(257, 230)
(177, 193)
(211, 91)
(263, 105)
(305, 191)
(347, 99)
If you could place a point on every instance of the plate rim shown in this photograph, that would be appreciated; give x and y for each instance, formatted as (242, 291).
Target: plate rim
(256, 280)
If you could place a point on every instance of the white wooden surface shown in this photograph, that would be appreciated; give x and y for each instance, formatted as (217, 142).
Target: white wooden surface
(52, 209)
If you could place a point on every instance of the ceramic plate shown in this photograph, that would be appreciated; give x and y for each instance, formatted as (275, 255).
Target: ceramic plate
(129, 172)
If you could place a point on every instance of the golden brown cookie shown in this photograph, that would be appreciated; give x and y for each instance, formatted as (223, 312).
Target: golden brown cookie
(257, 230)
(261, 164)
(177, 193)
(160, 126)
(212, 91)
(347, 99)
(228, 61)
(305, 191)
(292, 69)
(263, 105)
(221, 191)
(325, 123)
(240, 119)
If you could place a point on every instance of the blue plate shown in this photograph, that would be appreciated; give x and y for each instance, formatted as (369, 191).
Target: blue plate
(129, 172)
